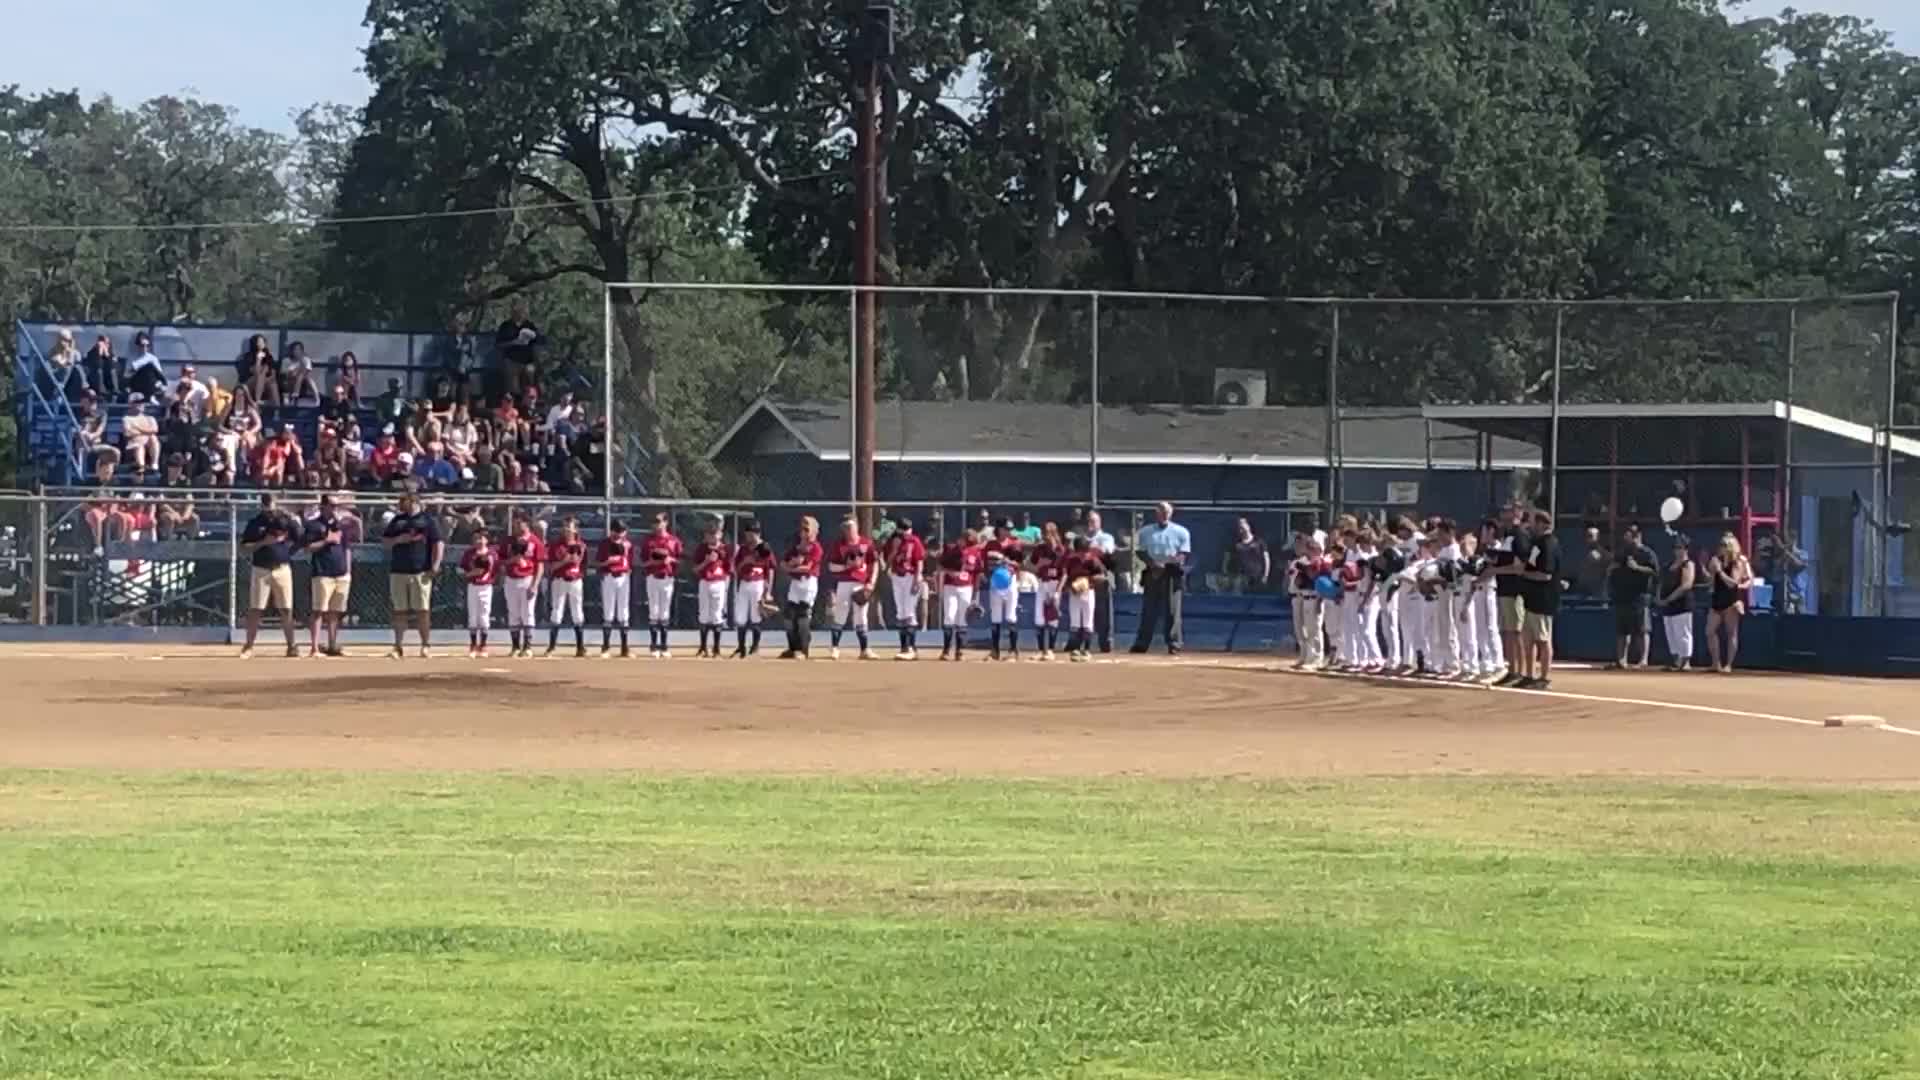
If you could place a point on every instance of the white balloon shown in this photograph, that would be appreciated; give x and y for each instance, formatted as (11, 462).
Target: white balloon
(1671, 510)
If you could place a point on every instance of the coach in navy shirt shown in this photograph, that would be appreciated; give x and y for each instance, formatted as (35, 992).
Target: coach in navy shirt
(332, 574)
(414, 550)
(268, 541)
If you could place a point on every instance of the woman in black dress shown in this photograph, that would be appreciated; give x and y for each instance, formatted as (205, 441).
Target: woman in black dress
(1729, 575)
(1676, 606)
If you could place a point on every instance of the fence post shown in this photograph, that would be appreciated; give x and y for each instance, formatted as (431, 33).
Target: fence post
(233, 564)
(1553, 428)
(1333, 420)
(1786, 453)
(40, 567)
(606, 408)
(1886, 493)
(853, 404)
(1093, 395)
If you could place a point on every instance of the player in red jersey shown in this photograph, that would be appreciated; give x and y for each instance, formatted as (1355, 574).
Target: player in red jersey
(802, 562)
(906, 556)
(566, 566)
(1083, 571)
(615, 561)
(1049, 558)
(854, 564)
(1004, 552)
(660, 553)
(525, 558)
(960, 564)
(712, 566)
(479, 566)
(753, 569)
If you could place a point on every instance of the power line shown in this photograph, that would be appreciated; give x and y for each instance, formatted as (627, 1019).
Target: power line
(372, 219)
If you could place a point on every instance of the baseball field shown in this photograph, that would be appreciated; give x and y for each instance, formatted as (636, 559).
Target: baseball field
(1132, 869)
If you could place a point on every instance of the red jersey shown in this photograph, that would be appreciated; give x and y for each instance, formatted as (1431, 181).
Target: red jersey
(855, 557)
(1351, 573)
(524, 556)
(479, 565)
(803, 560)
(1049, 561)
(712, 561)
(906, 554)
(753, 563)
(660, 553)
(567, 559)
(1083, 564)
(1010, 549)
(960, 563)
(615, 556)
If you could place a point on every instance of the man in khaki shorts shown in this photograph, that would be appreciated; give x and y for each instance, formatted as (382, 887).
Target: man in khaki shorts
(268, 541)
(414, 550)
(1541, 572)
(332, 575)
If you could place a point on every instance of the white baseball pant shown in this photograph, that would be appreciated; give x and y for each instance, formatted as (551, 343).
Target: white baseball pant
(1466, 608)
(746, 602)
(519, 593)
(906, 600)
(1308, 629)
(479, 606)
(803, 590)
(659, 600)
(1003, 606)
(1047, 595)
(616, 599)
(954, 602)
(713, 602)
(1487, 623)
(1412, 620)
(1443, 634)
(845, 611)
(1390, 629)
(567, 598)
(1366, 631)
(1080, 610)
(1333, 617)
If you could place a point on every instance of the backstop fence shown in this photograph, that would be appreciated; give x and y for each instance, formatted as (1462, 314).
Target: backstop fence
(1787, 424)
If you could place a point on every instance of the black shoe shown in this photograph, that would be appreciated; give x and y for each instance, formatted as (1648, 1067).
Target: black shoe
(739, 654)
(1512, 679)
(1541, 684)
(1138, 650)
(788, 654)
(1173, 650)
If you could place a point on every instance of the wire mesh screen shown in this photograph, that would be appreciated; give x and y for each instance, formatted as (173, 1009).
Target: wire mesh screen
(689, 366)
(1443, 408)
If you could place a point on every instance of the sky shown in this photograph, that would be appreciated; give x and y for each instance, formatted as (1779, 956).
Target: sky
(270, 58)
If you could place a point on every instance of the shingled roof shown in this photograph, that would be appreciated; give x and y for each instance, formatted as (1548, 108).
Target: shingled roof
(993, 431)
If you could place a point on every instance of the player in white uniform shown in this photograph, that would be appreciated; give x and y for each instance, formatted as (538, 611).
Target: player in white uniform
(1309, 632)
(1466, 605)
(753, 569)
(615, 562)
(478, 566)
(1412, 606)
(854, 563)
(525, 562)
(1443, 632)
(1049, 558)
(1487, 622)
(566, 587)
(1365, 631)
(906, 557)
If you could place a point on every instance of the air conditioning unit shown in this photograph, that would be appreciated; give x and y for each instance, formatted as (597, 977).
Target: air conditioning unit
(1239, 387)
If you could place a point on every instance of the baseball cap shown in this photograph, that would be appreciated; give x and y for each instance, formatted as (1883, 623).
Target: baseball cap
(751, 525)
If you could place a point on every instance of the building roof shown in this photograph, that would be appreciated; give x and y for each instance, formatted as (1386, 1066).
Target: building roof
(1583, 423)
(992, 431)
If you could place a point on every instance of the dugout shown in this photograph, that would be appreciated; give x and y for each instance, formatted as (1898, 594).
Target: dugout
(1766, 471)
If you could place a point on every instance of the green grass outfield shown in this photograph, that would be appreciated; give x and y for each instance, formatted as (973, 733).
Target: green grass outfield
(254, 925)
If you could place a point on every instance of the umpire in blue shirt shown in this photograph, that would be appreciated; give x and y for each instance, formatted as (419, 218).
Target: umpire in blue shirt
(1163, 548)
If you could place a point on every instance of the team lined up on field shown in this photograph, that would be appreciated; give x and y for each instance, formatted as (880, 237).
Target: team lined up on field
(733, 583)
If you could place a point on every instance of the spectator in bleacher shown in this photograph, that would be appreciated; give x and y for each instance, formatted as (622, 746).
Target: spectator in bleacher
(434, 471)
(518, 342)
(279, 461)
(190, 390)
(347, 374)
(90, 442)
(178, 432)
(353, 452)
(384, 463)
(219, 401)
(63, 376)
(330, 457)
(487, 474)
(297, 380)
(178, 520)
(245, 422)
(589, 451)
(515, 431)
(259, 371)
(461, 437)
(140, 437)
(145, 375)
(392, 407)
(560, 410)
(102, 369)
(443, 399)
(452, 356)
(339, 409)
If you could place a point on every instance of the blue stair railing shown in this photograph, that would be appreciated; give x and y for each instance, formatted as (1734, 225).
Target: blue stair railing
(55, 416)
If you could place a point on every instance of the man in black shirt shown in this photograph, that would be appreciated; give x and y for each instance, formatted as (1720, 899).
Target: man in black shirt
(332, 575)
(517, 342)
(268, 541)
(1541, 597)
(1630, 590)
(1508, 557)
(414, 550)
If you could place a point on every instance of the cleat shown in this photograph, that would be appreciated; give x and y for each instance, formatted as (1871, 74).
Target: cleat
(606, 654)
(426, 653)
(395, 654)
(866, 654)
(246, 653)
(834, 654)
